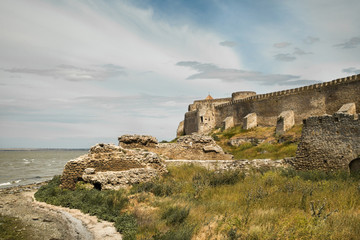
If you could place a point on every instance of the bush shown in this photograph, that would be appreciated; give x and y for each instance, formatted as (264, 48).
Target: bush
(316, 175)
(218, 178)
(104, 204)
(127, 225)
(175, 215)
(182, 232)
(157, 188)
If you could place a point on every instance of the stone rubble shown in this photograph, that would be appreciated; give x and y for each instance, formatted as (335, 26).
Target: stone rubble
(112, 158)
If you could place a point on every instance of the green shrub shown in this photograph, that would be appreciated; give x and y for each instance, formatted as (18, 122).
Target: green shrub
(317, 175)
(103, 204)
(218, 178)
(182, 232)
(158, 188)
(126, 224)
(175, 215)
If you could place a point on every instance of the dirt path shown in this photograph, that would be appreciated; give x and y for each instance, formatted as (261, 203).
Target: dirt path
(44, 221)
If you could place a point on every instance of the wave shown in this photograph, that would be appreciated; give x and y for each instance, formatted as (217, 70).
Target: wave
(10, 183)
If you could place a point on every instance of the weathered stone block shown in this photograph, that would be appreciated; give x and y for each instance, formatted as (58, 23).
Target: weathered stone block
(329, 142)
(228, 123)
(349, 108)
(285, 121)
(180, 130)
(250, 121)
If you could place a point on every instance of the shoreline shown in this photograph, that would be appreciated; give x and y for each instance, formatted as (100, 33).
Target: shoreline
(44, 221)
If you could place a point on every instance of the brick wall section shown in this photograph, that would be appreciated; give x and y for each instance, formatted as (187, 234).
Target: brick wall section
(329, 142)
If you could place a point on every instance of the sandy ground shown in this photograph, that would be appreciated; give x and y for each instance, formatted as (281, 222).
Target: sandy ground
(44, 221)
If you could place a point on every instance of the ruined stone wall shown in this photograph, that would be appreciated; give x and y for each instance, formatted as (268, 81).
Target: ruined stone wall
(313, 100)
(241, 95)
(108, 157)
(329, 142)
(191, 122)
(215, 102)
(233, 164)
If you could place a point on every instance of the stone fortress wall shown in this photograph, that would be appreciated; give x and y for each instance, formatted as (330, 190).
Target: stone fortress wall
(330, 142)
(307, 101)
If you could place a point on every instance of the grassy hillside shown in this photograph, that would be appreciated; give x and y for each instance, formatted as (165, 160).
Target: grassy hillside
(262, 142)
(193, 203)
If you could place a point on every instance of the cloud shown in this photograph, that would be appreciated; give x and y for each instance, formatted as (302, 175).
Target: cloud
(351, 70)
(72, 73)
(351, 43)
(211, 71)
(299, 51)
(281, 44)
(284, 57)
(230, 44)
(311, 40)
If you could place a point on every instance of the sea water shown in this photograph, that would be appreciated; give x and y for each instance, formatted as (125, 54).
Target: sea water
(21, 167)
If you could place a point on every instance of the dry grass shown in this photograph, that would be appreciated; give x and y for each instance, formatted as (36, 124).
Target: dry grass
(274, 204)
(271, 205)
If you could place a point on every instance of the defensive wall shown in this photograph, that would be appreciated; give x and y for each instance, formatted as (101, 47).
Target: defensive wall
(313, 100)
(330, 142)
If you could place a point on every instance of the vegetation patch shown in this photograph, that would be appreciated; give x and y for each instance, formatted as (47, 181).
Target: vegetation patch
(13, 228)
(259, 142)
(263, 204)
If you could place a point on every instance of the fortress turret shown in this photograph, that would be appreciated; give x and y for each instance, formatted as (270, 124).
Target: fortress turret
(242, 95)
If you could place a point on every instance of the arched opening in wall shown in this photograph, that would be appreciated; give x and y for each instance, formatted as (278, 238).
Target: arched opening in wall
(354, 166)
(97, 186)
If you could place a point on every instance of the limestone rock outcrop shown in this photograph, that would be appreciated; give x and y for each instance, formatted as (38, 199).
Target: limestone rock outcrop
(108, 166)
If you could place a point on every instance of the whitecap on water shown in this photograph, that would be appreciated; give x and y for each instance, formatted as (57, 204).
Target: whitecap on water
(5, 184)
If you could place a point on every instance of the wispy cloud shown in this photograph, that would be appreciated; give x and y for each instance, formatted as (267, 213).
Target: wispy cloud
(351, 43)
(282, 44)
(284, 57)
(352, 70)
(211, 71)
(298, 51)
(230, 44)
(72, 73)
(311, 40)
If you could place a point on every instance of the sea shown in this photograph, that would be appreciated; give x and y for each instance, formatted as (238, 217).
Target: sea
(22, 167)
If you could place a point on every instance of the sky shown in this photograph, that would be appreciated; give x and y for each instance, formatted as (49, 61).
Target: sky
(77, 73)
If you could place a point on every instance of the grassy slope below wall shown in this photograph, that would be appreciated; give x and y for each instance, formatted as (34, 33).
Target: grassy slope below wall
(193, 203)
(273, 147)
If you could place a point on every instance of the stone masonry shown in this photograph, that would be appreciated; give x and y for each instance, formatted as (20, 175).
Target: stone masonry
(250, 121)
(312, 100)
(228, 123)
(329, 142)
(194, 146)
(105, 159)
(284, 122)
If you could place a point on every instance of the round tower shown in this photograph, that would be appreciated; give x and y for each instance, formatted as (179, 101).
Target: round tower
(242, 95)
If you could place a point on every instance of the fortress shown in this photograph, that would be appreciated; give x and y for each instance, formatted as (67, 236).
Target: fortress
(249, 109)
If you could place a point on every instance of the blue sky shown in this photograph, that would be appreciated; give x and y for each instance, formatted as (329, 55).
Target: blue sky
(75, 73)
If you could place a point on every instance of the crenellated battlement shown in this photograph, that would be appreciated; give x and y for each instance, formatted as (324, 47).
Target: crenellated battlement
(295, 90)
(312, 100)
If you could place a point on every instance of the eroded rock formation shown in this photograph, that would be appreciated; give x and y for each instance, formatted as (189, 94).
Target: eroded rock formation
(108, 166)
